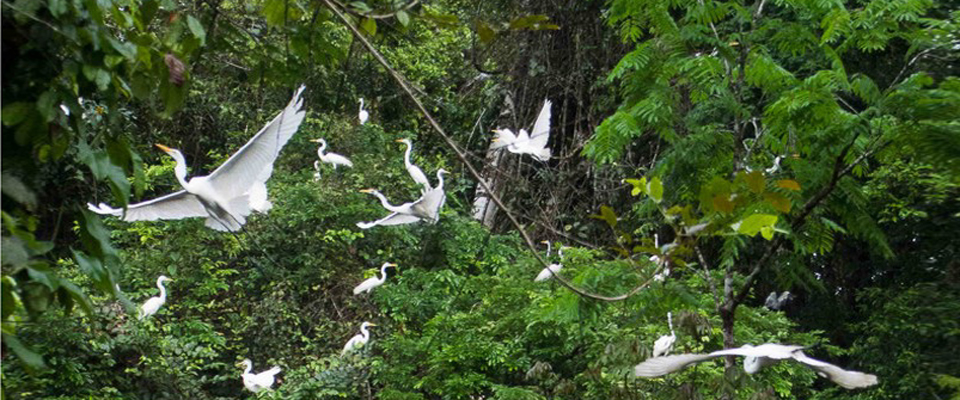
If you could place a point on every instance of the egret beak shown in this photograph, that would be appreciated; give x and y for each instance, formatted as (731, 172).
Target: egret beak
(366, 190)
(391, 265)
(496, 139)
(164, 148)
(316, 140)
(544, 242)
(399, 140)
(371, 324)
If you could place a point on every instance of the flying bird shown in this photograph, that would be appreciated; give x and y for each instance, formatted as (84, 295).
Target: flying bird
(257, 382)
(755, 359)
(533, 143)
(231, 192)
(775, 302)
(427, 207)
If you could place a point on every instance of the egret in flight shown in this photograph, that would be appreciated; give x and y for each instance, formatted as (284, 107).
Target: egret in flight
(755, 359)
(426, 208)
(399, 215)
(329, 158)
(664, 344)
(153, 304)
(372, 282)
(257, 382)
(228, 195)
(363, 115)
(359, 340)
(415, 172)
(775, 302)
(534, 143)
(429, 205)
(551, 269)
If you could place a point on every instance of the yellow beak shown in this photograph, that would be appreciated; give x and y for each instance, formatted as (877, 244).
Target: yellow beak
(398, 141)
(164, 148)
(371, 324)
(391, 265)
(495, 140)
(366, 190)
(315, 140)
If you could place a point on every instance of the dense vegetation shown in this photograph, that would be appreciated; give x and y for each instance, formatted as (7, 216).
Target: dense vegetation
(666, 115)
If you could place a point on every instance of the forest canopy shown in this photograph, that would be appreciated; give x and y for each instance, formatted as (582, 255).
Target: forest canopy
(616, 199)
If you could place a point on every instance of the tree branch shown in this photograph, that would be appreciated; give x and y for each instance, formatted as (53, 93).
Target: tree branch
(375, 16)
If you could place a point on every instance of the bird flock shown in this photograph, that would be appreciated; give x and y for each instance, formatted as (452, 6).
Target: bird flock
(230, 194)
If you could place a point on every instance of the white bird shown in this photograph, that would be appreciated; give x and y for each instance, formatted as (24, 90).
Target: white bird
(399, 215)
(153, 304)
(774, 302)
(258, 382)
(664, 344)
(534, 143)
(757, 358)
(415, 172)
(330, 158)
(229, 194)
(358, 340)
(316, 173)
(555, 268)
(429, 205)
(372, 282)
(775, 167)
(363, 114)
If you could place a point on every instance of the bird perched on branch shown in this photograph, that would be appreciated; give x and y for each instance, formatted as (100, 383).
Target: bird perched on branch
(756, 358)
(153, 304)
(551, 269)
(372, 282)
(664, 344)
(231, 192)
(257, 382)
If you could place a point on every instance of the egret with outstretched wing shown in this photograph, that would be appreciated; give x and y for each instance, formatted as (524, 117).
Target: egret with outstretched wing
(228, 195)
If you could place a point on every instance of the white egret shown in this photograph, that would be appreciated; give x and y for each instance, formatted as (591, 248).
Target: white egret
(775, 302)
(372, 282)
(316, 173)
(330, 158)
(257, 382)
(533, 143)
(555, 267)
(399, 215)
(757, 358)
(415, 172)
(775, 167)
(153, 304)
(664, 344)
(429, 205)
(359, 340)
(363, 115)
(229, 194)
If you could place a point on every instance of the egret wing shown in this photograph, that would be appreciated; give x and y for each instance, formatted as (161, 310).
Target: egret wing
(842, 377)
(770, 350)
(177, 205)
(659, 366)
(541, 128)
(392, 219)
(255, 159)
(428, 207)
(505, 137)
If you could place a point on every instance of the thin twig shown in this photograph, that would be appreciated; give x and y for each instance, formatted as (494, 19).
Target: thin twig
(376, 16)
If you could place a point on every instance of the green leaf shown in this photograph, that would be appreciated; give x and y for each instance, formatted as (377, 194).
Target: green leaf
(607, 215)
(16, 190)
(655, 189)
(8, 300)
(369, 25)
(126, 49)
(103, 168)
(97, 75)
(403, 17)
(77, 295)
(752, 225)
(197, 29)
(42, 273)
(13, 251)
(755, 181)
(639, 185)
(789, 184)
(15, 113)
(778, 201)
(485, 32)
(30, 358)
(274, 12)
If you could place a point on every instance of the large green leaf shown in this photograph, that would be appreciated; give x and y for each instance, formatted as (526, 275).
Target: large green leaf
(30, 358)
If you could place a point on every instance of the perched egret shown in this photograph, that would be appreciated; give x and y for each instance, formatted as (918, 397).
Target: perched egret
(415, 172)
(316, 173)
(775, 302)
(534, 143)
(664, 344)
(257, 382)
(372, 282)
(363, 114)
(153, 304)
(555, 267)
(229, 194)
(359, 340)
(429, 205)
(399, 215)
(757, 358)
(330, 158)
(775, 167)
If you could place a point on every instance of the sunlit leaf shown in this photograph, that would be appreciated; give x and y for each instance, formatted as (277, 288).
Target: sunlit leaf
(403, 18)
(369, 25)
(752, 225)
(655, 189)
(755, 181)
(788, 184)
(197, 29)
